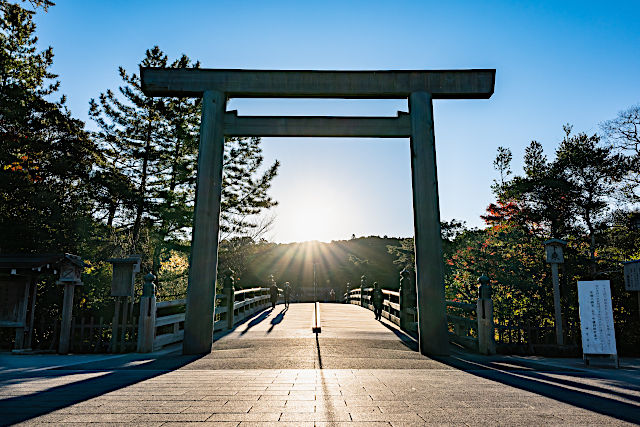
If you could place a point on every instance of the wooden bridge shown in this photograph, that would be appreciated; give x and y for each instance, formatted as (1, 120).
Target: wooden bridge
(270, 369)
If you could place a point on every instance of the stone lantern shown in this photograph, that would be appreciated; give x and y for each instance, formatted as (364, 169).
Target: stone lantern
(554, 251)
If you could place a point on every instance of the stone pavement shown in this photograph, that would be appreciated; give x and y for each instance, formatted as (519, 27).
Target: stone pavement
(272, 371)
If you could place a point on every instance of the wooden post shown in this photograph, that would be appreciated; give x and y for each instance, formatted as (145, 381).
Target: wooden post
(114, 326)
(484, 310)
(147, 319)
(65, 323)
(22, 316)
(100, 330)
(82, 334)
(229, 297)
(432, 321)
(486, 332)
(123, 326)
(201, 292)
(405, 300)
(91, 334)
(34, 292)
(230, 294)
(556, 304)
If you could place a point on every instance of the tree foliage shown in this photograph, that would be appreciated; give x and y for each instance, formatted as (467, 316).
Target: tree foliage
(46, 157)
(150, 150)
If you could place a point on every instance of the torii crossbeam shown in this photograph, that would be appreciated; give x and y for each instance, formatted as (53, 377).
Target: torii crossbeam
(215, 86)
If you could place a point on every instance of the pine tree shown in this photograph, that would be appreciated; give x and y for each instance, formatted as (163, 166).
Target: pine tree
(150, 148)
(133, 135)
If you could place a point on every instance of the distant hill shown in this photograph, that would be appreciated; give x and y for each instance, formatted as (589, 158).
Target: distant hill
(293, 262)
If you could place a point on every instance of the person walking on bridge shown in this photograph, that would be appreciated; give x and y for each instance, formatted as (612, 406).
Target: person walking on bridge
(377, 300)
(274, 294)
(287, 294)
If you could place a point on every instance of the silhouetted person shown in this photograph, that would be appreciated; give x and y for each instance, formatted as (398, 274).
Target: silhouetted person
(274, 294)
(332, 295)
(287, 294)
(377, 300)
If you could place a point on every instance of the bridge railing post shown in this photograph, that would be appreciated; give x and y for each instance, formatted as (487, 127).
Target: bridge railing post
(228, 291)
(404, 300)
(147, 319)
(486, 332)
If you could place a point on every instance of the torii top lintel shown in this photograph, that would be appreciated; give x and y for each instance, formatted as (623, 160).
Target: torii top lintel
(442, 84)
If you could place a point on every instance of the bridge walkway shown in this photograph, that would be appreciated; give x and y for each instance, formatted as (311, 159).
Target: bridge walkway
(272, 371)
(350, 339)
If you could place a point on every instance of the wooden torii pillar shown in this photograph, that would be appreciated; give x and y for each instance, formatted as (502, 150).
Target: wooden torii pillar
(215, 86)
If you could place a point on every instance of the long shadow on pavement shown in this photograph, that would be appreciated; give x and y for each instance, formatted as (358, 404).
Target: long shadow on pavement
(22, 408)
(524, 378)
(256, 320)
(277, 319)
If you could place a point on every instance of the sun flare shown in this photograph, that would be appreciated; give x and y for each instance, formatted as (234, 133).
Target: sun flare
(316, 216)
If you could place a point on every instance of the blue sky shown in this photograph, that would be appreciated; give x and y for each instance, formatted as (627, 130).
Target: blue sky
(557, 62)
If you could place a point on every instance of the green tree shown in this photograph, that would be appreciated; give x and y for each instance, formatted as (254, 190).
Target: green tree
(134, 137)
(150, 148)
(623, 135)
(543, 195)
(46, 158)
(593, 173)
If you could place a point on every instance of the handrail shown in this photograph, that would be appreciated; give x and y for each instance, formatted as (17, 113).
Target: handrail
(462, 305)
(242, 291)
(464, 328)
(171, 303)
(245, 303)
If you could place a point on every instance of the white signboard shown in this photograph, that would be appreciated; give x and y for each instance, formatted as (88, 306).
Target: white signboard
(596, 317)
(632, 275)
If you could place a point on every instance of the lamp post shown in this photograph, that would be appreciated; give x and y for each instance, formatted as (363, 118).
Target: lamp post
(554, 249)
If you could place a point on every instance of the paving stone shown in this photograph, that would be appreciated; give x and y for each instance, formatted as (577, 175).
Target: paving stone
(369, 378)
(256, 416)
(203, 424)
(379, 416)
(316, 416)
(277, 424)
(352, 424)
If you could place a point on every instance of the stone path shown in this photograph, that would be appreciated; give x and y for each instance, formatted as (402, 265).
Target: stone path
(272, 371)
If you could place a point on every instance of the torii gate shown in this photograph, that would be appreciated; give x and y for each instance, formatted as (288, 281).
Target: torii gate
(215, 86)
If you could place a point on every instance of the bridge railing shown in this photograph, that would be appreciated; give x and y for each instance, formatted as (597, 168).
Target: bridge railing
(462, 319)
(462, 323)
(391, 304)
(162, 323)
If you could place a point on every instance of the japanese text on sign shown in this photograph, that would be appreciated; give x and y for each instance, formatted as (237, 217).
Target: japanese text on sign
(596, 317)
(632, 275)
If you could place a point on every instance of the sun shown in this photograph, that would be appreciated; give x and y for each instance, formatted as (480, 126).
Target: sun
(316, 215)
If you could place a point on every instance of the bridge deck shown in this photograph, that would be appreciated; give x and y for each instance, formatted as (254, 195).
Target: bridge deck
(350, 338)
(272, 371)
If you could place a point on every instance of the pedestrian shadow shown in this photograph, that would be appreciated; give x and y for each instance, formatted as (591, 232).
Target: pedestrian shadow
(276, 320)
(533, 377)
(257, 320)
(112, 375)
